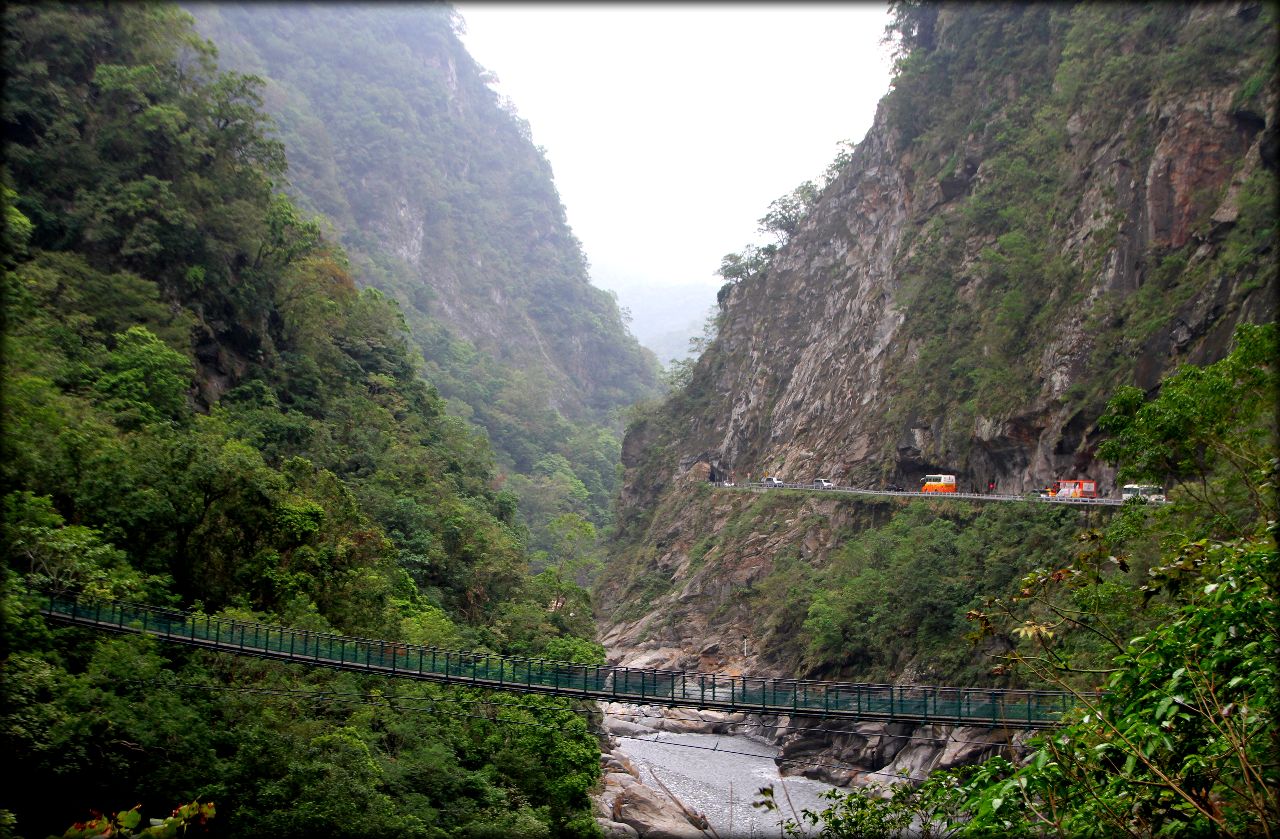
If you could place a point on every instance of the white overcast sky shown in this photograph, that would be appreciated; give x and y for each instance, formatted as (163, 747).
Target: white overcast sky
(670, 127)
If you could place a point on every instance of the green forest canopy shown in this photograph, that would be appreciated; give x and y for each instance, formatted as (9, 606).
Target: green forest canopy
(201, 409)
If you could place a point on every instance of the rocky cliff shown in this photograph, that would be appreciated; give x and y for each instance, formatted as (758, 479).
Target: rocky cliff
(1054, 201)
(966, 292)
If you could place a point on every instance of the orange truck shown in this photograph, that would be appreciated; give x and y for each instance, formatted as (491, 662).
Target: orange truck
(1073, 488)
(938, 483)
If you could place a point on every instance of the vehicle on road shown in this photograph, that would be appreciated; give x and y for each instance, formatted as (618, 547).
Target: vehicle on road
(938, 483)
(771, 481)
(1072, 488)
(822, 483)
(1143, 492)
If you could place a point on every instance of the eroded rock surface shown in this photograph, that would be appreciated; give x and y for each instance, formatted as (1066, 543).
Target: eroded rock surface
(627, 807)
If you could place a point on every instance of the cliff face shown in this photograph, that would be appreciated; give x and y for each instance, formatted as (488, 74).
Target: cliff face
(1053, 201)
(838, 359)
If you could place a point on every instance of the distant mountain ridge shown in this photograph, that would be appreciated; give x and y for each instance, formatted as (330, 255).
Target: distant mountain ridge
(437, 191)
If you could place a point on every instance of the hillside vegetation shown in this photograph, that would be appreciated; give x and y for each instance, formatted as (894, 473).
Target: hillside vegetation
(201, 409)
(1173, 668)
(436, 190)
(1087, 87)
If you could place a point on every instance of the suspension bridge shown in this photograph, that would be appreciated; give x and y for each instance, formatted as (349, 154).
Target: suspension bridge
(916, 704)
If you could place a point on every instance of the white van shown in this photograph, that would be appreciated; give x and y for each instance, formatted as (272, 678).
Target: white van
(1146, 492)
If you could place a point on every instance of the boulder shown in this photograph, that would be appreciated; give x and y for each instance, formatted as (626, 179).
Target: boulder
(652, 814)
(625, 728)
(618, 762)
(622, 780)
(973, 745)
(616, 830)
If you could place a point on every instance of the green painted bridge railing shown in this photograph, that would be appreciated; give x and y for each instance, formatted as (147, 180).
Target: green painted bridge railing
(671, 688)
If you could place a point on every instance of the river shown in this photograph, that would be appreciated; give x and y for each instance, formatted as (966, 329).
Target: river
(720, 775)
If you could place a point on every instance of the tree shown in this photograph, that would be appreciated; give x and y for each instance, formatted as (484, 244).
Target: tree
(1211, 429)
(143, 380)
(786, 213)
(59, 557)
(913, 27)
(735, 267)
(931, 810)
(575, 547)
(16, 231)
(1183, 740)
(429, 626)
(1179, 738)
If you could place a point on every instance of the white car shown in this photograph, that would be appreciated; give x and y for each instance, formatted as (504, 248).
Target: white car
(772, 481)
(822, 483)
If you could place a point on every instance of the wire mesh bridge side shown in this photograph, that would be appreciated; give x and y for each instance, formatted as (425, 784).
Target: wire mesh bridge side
(670, 688)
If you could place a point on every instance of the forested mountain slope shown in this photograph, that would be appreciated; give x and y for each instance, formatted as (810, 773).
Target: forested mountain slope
(1055, 201)
(201, 409)
(436, 190)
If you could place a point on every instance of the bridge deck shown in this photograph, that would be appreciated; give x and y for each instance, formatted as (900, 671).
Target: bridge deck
(896, 703)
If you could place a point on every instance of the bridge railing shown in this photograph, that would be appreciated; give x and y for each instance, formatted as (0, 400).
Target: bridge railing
(807, 697)
(917, 703)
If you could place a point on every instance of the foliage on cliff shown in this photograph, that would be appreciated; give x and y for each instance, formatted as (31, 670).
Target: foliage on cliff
(1076, 79)
(1164, 621)
(436, 190)
(1180, 736)
(201, 409)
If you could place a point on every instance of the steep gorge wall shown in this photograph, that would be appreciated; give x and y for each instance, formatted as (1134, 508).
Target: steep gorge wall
(966, 302)
(1054, 201)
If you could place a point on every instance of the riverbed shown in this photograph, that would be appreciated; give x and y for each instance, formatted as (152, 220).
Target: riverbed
(720, 775)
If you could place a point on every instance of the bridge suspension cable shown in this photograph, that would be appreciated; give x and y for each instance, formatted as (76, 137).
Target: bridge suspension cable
(390, 699)
(992, 707)
(352, 698)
